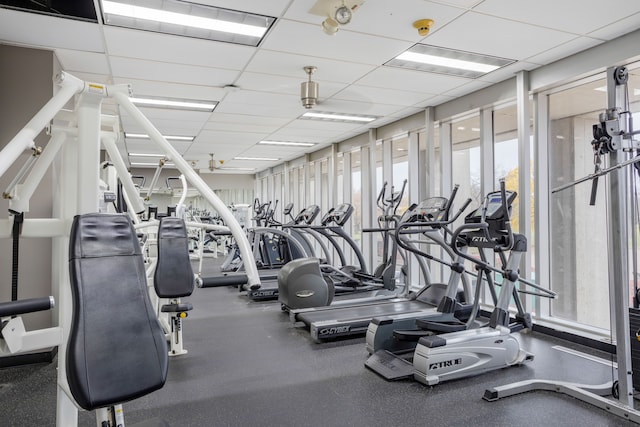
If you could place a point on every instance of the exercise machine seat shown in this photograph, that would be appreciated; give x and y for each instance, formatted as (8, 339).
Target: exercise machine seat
(174, 276)
(117, 350)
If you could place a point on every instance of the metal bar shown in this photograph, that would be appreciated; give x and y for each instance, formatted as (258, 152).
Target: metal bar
(195, 180)
(23, 140)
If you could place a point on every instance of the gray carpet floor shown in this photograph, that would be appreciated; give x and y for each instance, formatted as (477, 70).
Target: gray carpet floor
(247, 365)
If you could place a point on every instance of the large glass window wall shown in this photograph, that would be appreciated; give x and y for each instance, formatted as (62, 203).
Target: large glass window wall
(400, 155)
(356, 197)
(466, 170)
(578, 238)
(575, 249)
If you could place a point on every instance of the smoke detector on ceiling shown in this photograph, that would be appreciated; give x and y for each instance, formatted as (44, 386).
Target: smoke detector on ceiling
(309, 89)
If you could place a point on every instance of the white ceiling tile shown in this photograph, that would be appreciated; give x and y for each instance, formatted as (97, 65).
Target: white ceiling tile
(379, 95)
(467, 88)
(241, 127)
(389, 20)
(269, 8)
(348, 46)
(271, 83)
(411, 80)
(460, 3)
(287, 64)
(617, 29)
(127, 68)
(49, 32)
(213, 138)
(78, 61)
(165, 126)
(175, 49)
(567, 49)
(261, 104)
(478, 33)
(553, 13)
(244, 119)
(350, 73)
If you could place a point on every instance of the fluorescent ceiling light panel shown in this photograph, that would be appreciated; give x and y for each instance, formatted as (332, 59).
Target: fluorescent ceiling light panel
(287, 143)
(167, 137)
(175, 104)
(189, 20)
(146, 155)
(266, 159)
(448, 61)
(338, 117)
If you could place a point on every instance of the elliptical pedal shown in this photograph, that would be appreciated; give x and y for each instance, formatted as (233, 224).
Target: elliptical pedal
(389, 366)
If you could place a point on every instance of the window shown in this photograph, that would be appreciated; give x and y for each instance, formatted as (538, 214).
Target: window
(465, 139)
(578, 231)
(400, 154)
(356, 197)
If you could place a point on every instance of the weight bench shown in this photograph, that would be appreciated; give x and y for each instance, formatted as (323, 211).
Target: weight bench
(117, 350)
(173, 278)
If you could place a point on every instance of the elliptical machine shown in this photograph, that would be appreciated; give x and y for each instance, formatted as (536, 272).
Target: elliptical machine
(448, 356)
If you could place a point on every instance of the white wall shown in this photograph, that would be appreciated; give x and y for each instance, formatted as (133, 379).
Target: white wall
(25, 86)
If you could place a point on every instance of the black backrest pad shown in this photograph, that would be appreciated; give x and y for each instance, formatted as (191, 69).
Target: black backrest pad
(117, 349)
(174, 276)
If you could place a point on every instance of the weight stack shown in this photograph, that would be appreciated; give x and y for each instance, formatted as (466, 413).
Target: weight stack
(634, 330)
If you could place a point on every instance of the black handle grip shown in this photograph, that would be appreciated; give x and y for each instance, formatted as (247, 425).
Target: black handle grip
(14, 308)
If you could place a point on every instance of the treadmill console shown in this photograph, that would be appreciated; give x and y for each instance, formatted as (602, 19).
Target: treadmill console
(307, 215)
(341, 214)
(494, 213)
(431, 209)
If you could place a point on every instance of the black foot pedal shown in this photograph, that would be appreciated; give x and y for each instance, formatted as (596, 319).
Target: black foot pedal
(389, 366)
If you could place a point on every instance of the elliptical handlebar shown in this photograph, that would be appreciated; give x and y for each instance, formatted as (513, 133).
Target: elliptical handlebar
(396, 200)
(503, 193)
(434, 224)
(447, 208)
(380, 199)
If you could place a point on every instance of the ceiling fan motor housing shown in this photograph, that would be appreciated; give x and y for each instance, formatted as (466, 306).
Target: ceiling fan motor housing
(309, 94)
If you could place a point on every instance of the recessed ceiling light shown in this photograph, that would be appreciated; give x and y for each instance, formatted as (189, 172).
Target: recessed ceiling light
(236, 169)
(461, 127)
(191, 20)
(171, 137)
(265, 159)
(475, 129)
(146, 155)
(338, 117)
(448, 61)
(181, 104)
(287, 143)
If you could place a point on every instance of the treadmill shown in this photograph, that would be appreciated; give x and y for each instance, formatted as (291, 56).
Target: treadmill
(240, 279)
(344, 278)
(353, 320)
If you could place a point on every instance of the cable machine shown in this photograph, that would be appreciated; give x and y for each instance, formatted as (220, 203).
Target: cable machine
(613, 140)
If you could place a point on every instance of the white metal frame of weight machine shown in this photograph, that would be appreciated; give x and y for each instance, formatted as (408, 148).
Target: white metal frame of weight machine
(73, 152)
(620, 146)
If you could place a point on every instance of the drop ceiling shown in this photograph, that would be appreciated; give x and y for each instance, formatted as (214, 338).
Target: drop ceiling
(258, 88)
